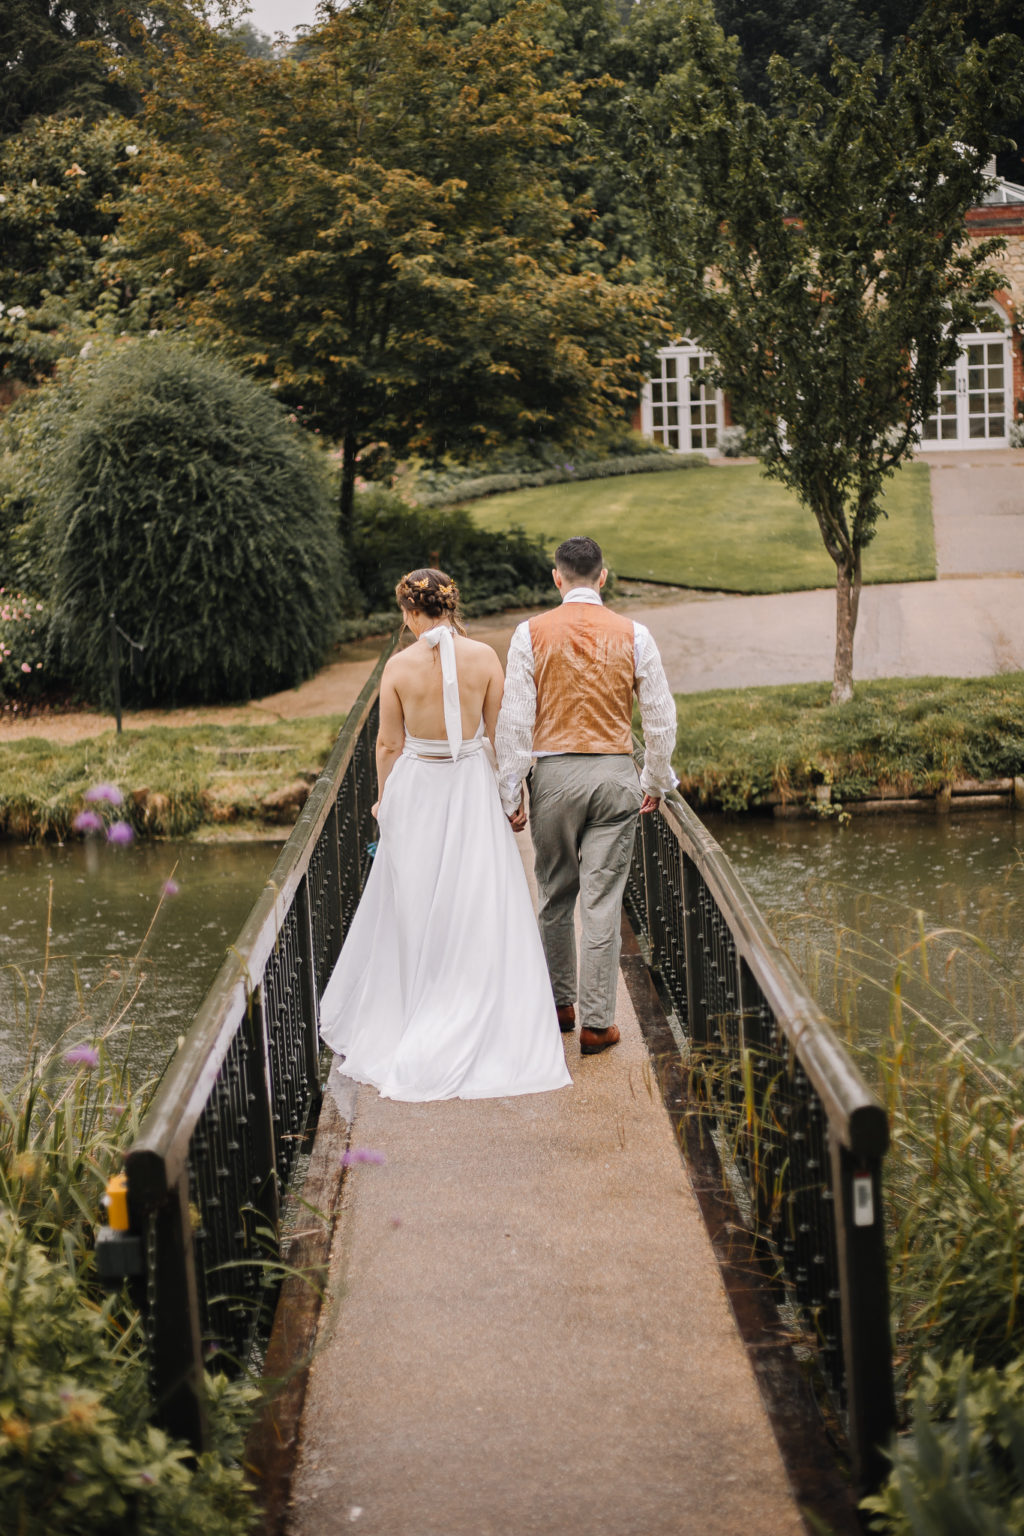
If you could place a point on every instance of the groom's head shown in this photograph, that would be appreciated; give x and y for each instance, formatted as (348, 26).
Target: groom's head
(579, 563)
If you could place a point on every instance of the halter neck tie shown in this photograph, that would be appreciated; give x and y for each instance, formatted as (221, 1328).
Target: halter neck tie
(443, 638)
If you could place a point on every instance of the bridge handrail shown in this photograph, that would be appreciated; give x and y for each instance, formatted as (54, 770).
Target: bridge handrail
(855, 1114)
(804, 1132)
(184, 1087)
(218, 1141)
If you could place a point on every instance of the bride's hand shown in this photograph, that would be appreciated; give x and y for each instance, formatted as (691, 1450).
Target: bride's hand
(374, 808)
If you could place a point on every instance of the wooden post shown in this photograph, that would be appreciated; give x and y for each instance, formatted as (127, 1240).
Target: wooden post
(176, 1346)
(864, 1291)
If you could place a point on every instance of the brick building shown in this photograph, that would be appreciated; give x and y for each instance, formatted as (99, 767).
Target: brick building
(976, 401)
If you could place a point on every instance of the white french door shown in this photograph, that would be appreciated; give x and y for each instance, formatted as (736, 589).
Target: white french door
(677, 410)
(974, 406)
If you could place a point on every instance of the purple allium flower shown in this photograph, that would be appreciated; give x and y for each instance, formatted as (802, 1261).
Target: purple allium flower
(108, 792)
(171, 887)
(82, 1056)
(88, 821)
(120, 832)
(361, 1155)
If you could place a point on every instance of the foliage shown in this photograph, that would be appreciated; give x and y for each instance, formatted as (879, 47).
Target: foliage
(24, 628)
(815, 248)
(374, 221)
(57, 58)
(732, 441)
(185, 503)
(707, 529)
(961, 1471)
(76, 1450)
(954, 1191)
(390, 538)
(738, 747)
(175, 779)
(63, 182)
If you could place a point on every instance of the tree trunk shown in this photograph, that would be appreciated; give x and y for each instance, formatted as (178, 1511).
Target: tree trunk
(847, 603)
(346, 503)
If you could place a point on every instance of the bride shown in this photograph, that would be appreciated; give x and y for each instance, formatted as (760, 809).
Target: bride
(441, 990)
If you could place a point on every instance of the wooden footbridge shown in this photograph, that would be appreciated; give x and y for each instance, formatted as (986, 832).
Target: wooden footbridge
(653, 1302)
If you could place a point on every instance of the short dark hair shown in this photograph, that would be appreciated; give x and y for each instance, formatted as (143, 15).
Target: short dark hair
(580, 557)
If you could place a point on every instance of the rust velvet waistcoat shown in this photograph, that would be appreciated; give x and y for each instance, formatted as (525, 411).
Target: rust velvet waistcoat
(583, 668)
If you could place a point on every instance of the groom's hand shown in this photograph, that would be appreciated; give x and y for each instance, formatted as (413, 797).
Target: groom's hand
(517, 820)
(649, 803)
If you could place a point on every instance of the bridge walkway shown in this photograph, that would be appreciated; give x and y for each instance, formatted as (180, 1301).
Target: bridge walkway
(526, 1330)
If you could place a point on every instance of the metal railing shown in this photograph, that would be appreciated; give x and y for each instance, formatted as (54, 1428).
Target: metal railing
(799, 1125)
(212, 1161)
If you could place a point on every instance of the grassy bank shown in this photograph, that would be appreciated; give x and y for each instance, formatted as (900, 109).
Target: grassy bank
(175, 780)
(737, 747)
(719, 529)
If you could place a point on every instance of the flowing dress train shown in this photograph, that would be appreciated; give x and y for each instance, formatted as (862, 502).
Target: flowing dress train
(441, 989)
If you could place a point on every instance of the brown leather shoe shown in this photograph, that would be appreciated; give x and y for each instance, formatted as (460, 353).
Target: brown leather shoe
(566, 1017)
(594, 1040)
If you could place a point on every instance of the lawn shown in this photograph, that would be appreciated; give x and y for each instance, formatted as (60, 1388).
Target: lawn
(725, 529)
(736, 747)
(174, 779)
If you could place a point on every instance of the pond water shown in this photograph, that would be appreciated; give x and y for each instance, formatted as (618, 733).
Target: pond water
(122, 956)
(939, 899)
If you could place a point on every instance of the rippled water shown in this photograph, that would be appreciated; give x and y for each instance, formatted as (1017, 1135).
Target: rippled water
(104, 903)
(846, 900)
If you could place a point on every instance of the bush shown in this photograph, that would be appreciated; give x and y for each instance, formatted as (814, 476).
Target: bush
(732, 441)
(184, 502)
(77, 1452)
(961, 1471)
(471, 488)
(24, 627)
(493, 570)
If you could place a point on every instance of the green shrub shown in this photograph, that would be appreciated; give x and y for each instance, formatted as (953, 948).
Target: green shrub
(185, 502)
(473, 487)
(77, 1453)
(24, 628)
(390, 538)
(961, 1470)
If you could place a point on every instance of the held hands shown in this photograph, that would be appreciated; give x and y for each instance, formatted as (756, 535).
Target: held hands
(517, 820)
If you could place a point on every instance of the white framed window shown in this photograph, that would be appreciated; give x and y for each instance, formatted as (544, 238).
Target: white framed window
(974, 400)
(676, 409)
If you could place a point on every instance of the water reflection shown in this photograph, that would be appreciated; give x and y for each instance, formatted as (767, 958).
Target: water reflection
(105, 907)
(938, 899)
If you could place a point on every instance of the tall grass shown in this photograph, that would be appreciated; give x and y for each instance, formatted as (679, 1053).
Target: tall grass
(77, 1450)
(934, 1013)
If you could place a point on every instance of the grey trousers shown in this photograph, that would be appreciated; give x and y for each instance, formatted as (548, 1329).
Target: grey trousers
(583, 813)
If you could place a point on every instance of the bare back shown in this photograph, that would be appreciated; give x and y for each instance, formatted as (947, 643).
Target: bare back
(411, 697)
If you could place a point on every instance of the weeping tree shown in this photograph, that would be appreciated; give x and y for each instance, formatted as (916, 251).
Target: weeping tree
(818, 248)
(180, 498)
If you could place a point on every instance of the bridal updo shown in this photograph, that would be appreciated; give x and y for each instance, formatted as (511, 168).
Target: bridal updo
(432, 593)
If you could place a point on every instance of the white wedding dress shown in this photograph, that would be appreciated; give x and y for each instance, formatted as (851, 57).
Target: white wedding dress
(441, 990)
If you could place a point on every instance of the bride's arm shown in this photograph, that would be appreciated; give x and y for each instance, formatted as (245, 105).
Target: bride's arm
(390, 733)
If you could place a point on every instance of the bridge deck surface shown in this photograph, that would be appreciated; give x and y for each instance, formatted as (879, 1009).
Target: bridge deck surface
(526, 1330)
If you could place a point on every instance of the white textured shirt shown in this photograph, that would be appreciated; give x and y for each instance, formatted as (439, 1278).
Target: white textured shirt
(514, 736)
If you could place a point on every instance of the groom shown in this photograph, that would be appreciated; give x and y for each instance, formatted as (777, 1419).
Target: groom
(572, 674)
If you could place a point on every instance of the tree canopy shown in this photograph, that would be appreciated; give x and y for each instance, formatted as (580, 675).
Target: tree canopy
(56, 55)
(818, 248)
(378, 226)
